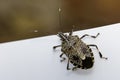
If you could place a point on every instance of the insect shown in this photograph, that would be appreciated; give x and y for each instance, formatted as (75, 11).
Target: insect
(78, 53)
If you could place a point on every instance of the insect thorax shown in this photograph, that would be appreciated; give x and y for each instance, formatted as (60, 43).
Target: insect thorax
(76, 50)
(75, 46)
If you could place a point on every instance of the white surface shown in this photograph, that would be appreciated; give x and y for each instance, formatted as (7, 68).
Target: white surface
(34, 59)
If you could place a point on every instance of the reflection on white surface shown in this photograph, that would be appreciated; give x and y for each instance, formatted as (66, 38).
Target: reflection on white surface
(34, 59)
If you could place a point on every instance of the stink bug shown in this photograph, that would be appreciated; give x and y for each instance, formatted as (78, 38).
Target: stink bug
(78, 53)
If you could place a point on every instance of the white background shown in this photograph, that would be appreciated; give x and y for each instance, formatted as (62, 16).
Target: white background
(34, 59)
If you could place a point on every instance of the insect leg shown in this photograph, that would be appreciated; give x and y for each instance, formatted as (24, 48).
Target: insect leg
(54, 47)
(90, 36)
(63, 58)
(74, 68)
(98, 51)
(68, 65)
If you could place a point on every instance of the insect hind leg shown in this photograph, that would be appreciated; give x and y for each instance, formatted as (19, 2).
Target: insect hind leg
(74, 68)
(100, 54)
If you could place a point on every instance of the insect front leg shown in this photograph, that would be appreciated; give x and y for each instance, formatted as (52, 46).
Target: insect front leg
(63, 58)
(98, 51)
(90, 36)
(54, 47)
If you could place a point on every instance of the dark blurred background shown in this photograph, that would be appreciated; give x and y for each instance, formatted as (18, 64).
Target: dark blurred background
(23, 19)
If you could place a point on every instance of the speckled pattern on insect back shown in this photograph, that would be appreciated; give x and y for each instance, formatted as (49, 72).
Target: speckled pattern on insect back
(78, 53)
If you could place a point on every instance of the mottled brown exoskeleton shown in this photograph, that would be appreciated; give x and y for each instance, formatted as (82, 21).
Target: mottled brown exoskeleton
(77, 52)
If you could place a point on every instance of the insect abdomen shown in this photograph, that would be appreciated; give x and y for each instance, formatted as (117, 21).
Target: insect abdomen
(87, 63)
